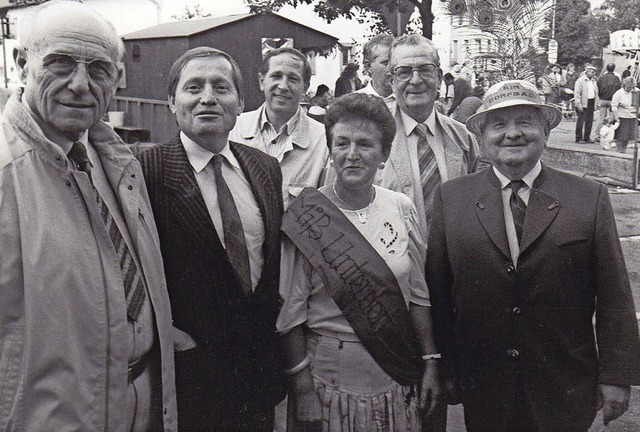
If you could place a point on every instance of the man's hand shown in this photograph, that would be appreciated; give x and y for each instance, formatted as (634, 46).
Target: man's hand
(430, 393)
(614, 401)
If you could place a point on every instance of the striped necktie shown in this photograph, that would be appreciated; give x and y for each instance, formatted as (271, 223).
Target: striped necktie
(429, 173)
(134, 290)
(518, 207)
(234, 240)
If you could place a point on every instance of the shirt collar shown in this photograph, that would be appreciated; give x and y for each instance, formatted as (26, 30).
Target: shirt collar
(410, 124)
(528, 179)
(199, 157)
(288, 128)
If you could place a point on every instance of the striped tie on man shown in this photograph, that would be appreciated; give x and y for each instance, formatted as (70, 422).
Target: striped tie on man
(518, 207)
(133, 285)
(429, 173)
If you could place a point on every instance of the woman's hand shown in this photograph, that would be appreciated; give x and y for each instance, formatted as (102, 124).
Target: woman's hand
(430, 393)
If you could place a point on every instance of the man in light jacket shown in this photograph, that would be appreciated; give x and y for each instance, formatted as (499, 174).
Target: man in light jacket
(86, 341)
(586, 100)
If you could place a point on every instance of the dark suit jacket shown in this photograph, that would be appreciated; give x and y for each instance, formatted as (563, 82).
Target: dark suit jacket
(234, 375)
(500, 327)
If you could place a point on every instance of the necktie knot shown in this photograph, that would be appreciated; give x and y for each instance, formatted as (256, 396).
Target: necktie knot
(421, 130)
(78, 155)
(516, 185)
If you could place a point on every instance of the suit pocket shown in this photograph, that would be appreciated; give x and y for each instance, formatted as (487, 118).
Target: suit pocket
(566, 244)
(10, 359)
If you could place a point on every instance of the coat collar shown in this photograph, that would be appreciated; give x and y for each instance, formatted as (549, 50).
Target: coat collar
(297, 127)
(541, 211)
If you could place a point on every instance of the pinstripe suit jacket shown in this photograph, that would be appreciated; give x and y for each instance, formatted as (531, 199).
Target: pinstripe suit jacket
(235, 370)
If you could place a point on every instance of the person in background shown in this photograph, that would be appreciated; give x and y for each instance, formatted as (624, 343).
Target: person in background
(469, 105)
(625, 113)
(566, 93)
(429, 147)
(348, 81)
(532, 308)
(376, 62)
(319, 103)
(218, 207)
(461, 90)
(608, 84)
(280, 127)
(356, 319)
(552, 82)
(85, 323)
(585, 99)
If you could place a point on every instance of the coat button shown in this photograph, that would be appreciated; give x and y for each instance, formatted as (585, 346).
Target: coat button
(517, 311)
(68, 183)
(511, 269)
(513, 353)
(130, 187)
(165, 411)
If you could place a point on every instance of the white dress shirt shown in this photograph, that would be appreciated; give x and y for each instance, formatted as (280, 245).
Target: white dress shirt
(243, 197)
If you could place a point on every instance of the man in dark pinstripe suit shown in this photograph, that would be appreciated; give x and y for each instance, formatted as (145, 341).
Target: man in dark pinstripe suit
(218, 206)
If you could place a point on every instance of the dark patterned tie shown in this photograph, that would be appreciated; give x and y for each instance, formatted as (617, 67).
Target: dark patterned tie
(429, 173)
(133, 286)
(518, 207)
(234, 240)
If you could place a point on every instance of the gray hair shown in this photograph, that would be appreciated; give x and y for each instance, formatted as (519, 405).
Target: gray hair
(382, 40)
(29, 21)
(628, 80)
(415, 40)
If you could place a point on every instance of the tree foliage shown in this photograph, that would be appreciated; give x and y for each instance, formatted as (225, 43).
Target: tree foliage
(329, 10)
(620, 14)
(190, 12)
(576, 31)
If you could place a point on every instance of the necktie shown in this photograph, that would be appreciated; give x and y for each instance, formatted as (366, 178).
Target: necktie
(518, 207)
(133, 286)
(235, 242)
(429, 172)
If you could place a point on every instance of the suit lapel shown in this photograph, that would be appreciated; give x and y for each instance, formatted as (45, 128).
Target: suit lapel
(541, 210)
(400, 158)
(490, 212)
(185, 197)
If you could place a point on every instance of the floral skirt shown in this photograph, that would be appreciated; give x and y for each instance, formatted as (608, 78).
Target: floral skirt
(355, 393)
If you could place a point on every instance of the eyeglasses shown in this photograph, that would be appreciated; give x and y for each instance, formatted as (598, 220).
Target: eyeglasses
(100, 71)
(404, 73)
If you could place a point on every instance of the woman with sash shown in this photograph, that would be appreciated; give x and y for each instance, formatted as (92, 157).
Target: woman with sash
(355, 318)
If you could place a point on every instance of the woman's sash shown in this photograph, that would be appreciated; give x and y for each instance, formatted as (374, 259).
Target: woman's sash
(359, 281)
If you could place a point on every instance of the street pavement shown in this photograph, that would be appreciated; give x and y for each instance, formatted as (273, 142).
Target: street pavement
(626, 207)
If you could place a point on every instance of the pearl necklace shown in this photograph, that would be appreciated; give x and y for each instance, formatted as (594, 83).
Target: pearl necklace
(363, 214)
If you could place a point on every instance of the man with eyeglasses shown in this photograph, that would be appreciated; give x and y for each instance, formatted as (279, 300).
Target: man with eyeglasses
(429, 147)
(86, 340)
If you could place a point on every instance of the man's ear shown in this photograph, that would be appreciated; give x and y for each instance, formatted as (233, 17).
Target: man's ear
(366, 67)
(172, 103)
(20, 58)
(261, 82)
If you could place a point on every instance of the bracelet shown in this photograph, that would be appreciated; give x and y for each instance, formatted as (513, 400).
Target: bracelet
(294, 370)
(432, 356)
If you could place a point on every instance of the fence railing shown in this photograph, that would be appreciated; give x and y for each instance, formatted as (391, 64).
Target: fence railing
(151, 114)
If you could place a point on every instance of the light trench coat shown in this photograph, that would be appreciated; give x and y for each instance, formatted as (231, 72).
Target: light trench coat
(63, 325)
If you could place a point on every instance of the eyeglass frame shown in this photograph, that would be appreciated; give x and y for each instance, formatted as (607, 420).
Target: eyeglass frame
(416, 69)
(112, 81)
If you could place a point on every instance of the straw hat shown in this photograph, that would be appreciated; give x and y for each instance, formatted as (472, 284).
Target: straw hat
(512, 93)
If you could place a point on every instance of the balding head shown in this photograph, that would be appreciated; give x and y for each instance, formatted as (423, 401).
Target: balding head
(68, 59)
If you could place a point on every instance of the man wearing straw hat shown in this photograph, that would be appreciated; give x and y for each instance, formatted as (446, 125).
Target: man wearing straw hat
(515, 283)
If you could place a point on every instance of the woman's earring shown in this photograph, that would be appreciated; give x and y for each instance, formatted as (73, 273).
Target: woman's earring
(331, 162)
(382, 164)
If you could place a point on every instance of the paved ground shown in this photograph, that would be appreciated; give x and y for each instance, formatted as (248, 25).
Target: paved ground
(626, 206)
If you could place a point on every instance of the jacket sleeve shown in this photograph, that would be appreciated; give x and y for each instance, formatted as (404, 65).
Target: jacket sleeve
(616, 325)
(439, 281)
